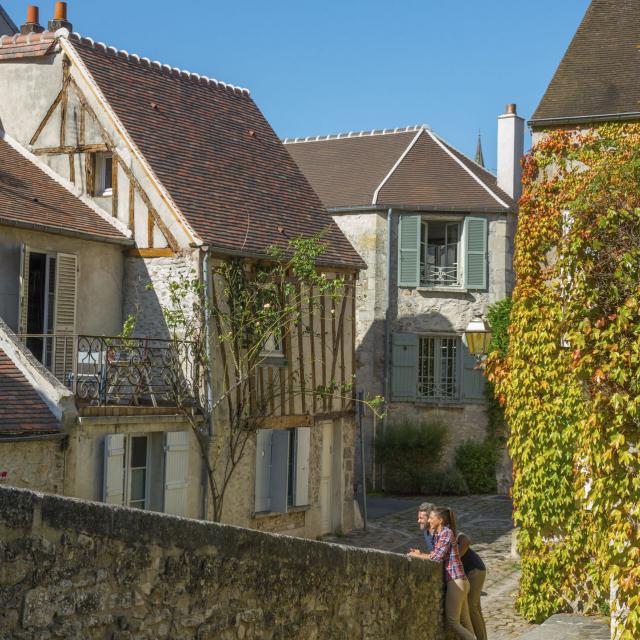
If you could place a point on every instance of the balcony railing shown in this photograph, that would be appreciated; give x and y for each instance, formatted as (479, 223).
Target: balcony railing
(433, 276)
(111, 371)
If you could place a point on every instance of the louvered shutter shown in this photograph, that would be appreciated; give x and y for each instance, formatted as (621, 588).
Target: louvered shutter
(24, 290)
(263, 470)
(176, 469)
(113, 473)
(473, 380)
(65, 313)
(404, 367)
(476, 253)
(279, 470)
(303, 442)
(409, 251)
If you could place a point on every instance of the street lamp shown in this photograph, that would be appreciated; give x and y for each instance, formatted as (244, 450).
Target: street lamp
(478, 337)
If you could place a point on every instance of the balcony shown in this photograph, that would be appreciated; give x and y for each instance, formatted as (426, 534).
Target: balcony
(139, 374)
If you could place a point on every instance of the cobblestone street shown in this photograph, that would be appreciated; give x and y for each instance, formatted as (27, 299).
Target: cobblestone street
(487, 521)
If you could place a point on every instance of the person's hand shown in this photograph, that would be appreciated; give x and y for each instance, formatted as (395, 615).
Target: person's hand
(414, 553)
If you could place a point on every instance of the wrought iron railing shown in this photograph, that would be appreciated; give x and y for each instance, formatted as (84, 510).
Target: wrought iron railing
(433, 276)
(107, 371)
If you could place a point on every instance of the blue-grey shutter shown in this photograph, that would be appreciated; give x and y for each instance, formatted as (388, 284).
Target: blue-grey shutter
(404, 367)
(473, 380)
(279, 470)
(409, 229)
(476, 253)
(176, 473)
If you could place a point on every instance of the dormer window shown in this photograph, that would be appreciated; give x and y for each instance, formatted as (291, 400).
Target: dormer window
(104, 174)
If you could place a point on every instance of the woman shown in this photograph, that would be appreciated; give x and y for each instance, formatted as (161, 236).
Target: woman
(476, 573)
(457, 585)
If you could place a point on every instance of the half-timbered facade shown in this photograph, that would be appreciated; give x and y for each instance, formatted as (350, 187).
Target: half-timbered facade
(182, 168)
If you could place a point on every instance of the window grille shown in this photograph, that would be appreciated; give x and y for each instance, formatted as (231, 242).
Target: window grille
(438, 376)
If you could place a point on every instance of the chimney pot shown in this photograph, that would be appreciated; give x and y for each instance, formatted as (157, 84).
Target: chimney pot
(32, 25)
(60, 18)
(511, 109)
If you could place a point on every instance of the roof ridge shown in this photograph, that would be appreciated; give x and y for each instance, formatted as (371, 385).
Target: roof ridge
(358, 134)
(29, 38)
(168, 70)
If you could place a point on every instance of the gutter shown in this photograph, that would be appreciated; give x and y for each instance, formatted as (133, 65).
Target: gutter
(42, 437)
(606, 117)
(387, 328)
(364, 208)
(60, 231)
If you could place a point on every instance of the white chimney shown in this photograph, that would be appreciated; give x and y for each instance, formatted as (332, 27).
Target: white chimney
(510, 151)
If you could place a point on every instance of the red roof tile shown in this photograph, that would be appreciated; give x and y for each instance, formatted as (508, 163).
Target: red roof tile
(21, 408)
(32, 45)
(215, 153)
(28, 196)
(347, 170)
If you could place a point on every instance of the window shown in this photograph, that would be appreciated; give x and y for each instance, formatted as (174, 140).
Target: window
(439, 254)
(147, 471)
(104, 174)
(273, 347)
(434, 368)
(282, 469)
(438, 377)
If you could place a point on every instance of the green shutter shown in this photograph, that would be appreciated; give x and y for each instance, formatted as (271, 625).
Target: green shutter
(409, 251)
(475, 233)
(404, 367)
(473, 380)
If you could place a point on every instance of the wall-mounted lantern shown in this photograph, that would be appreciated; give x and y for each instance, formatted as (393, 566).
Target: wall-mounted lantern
(478, 337)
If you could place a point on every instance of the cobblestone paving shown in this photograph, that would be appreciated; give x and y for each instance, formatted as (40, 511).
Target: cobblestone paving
(487, 521)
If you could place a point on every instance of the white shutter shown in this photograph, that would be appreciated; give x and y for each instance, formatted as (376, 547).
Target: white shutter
(176, 470)
(24, 289)
(263, 470)
(65, 312)
(303, 441)
(279, 470)
(113, 482)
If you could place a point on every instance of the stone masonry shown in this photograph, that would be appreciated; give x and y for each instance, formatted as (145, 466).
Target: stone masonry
(75, 569)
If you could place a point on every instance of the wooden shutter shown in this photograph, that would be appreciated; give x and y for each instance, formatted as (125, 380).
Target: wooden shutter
(90, 170)
(409, 228)
(263, 470)
(279, 470)
(473, 380)
(475, 234)
(113, 473)
(176, 470)
(23, 315)
(65, 302)
(303, 442)
(404, 367)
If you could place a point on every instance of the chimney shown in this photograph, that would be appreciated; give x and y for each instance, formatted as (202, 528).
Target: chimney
(510, 151)
(32, 25)
(60, 18)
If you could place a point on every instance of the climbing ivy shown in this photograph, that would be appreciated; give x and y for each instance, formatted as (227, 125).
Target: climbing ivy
(570, 382)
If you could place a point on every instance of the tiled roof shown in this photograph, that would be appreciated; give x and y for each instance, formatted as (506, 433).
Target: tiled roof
(7, 25)
(29, 196)
(216, 155)
(407, 167)
(600, 72)
(21, 408)
(31, 45)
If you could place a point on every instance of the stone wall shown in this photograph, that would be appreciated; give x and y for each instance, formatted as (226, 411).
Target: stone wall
(33, 464)
(74, 569)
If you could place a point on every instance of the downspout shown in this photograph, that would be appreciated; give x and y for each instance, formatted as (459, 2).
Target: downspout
(387, 328)
(208, 287)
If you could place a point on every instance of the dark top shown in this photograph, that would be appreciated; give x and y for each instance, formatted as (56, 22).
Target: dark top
(471, 560)
(429, 540)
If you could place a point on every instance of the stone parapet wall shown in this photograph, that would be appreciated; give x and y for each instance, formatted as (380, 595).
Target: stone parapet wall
(75, 569)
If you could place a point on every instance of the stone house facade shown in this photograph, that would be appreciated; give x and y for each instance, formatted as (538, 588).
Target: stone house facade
(163, 195)
(436, 231)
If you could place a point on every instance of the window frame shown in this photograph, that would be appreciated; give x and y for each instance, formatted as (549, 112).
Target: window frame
(423, 252)
(128, 469)
(437, 368)
(100, 187)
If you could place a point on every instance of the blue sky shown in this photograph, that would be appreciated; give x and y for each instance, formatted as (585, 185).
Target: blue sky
(325, 67)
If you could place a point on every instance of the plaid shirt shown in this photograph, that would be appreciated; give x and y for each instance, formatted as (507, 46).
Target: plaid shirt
(446, 550)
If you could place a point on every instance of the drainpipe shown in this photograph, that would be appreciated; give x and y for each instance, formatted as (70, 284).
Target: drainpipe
(208, 286)
(387, 329)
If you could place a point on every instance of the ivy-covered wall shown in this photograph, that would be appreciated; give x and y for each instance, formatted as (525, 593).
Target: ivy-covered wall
(571, 380)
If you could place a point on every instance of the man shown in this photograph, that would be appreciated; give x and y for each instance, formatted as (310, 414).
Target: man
(423, 516)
